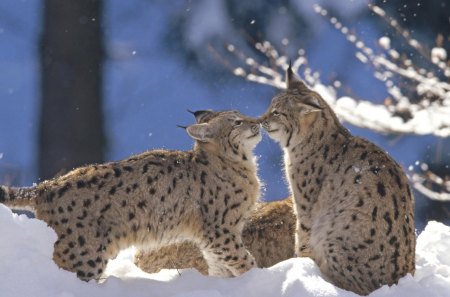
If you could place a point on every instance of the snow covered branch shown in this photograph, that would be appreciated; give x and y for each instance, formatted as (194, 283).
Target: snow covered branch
(425, 111)
(430, 184)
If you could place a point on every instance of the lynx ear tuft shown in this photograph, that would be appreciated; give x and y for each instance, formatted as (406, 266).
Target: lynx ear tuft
(200, 132)
(200, 114)
(292, 81)
(290, 76)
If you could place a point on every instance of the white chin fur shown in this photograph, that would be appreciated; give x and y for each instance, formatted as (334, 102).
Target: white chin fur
(276, 135)
(251, 143)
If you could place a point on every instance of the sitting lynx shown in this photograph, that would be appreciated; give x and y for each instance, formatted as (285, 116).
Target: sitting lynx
(268, 235)
(156, 198)
(354, 206)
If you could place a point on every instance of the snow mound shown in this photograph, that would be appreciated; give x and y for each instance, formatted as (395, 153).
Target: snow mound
(27, 269)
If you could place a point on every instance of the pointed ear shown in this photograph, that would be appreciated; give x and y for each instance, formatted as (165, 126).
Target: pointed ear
(292, 81)
(201, 132)
(200, 114)
(310, 104)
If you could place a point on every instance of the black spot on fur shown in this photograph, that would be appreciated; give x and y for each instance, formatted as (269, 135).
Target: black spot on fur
(152, 191)
(303, 227)
(374, 170)
(381, 189)
(112, 191)
(325, 152)
(374, 213)
(233, 206)
(117, 172)
(394, 200)
(142, 204)
(128, 168)
(81, 240)
(91, 263)
(50, 196)
(81, 184)
(376, 257)
(363, 156)
(64, 189)
(107, 206)
(81, 273)
(387, 218)
(392, 240)
(397, 180)
(202, 177)
(131, 216)
(347, 169)
(226, 198)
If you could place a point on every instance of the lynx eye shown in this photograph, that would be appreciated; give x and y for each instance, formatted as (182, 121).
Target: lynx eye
(237, 123)
(275, 113)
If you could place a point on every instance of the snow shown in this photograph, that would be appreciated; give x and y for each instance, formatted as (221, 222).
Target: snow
(437, 54)
(385, 42)
(27, 269)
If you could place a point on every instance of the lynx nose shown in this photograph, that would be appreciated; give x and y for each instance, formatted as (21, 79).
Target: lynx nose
(255, 128)
(265, 124)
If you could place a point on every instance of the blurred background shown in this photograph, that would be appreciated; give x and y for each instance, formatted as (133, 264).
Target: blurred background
(91, 81)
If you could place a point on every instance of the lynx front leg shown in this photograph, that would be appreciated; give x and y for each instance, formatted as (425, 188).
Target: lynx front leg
(302, 245)
(227, 257)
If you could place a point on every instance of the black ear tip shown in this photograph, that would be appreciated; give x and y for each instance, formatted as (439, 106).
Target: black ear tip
(289, 70)
(190, 111)
(183, 127)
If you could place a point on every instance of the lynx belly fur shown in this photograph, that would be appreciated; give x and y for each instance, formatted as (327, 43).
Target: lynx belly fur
(154, 199)
(354, 205)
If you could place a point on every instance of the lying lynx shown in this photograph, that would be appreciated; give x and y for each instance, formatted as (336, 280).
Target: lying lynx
(354, 206)
(156, 198)
(268, 235)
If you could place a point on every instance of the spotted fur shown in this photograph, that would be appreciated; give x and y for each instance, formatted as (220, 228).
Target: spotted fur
(354, 206)
(268, 235)
(154, 199)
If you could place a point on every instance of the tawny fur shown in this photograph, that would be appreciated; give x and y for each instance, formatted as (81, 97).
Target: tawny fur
(354, 205)
(154, 199)
(268, 235)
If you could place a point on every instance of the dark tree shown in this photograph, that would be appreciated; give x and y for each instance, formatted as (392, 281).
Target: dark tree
(71, 129)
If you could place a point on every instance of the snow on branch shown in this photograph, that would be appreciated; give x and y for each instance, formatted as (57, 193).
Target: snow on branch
(425, 110)
(431, 185)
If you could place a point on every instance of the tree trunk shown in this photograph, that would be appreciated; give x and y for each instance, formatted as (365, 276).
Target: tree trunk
(71, 128)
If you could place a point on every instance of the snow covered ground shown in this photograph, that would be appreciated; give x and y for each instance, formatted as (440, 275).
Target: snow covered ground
(27, 269)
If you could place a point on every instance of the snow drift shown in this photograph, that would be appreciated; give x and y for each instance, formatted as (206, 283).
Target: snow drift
(27, 269)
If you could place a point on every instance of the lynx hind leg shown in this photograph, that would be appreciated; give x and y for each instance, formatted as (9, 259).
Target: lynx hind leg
(227, 256)
(87, 260)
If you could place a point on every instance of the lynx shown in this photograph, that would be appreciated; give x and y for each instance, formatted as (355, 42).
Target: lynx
(268, 235)
(354, 206)
(154, 199)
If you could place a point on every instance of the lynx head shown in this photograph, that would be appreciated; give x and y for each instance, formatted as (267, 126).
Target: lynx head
(229, 133)
(292, 112)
